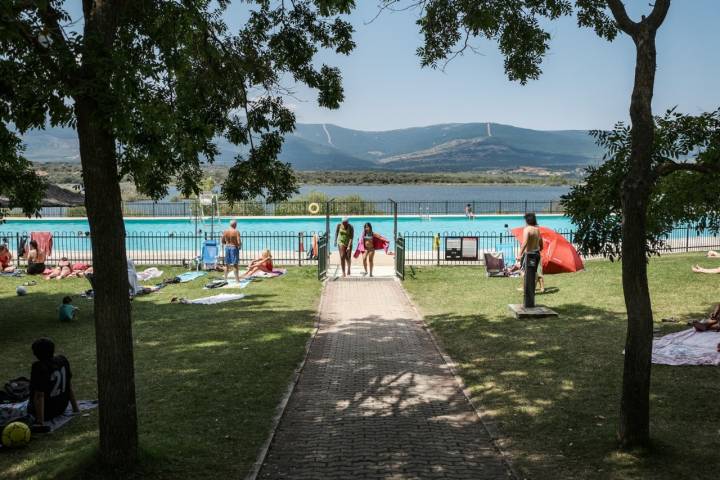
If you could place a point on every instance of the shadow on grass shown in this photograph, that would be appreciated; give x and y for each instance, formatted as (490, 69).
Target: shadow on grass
(552, 387)
(208, 378)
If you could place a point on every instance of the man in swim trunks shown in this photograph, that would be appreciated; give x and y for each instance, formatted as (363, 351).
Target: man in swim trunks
(232, 242)
(532, 243)
(343, 240)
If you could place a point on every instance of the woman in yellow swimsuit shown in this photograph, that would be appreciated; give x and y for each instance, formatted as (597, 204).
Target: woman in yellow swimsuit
(343, 240)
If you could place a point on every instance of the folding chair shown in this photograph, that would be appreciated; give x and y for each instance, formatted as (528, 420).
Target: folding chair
(209, 255)
(494, 264)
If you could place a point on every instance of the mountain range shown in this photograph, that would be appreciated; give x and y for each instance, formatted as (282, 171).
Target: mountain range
(456, 147)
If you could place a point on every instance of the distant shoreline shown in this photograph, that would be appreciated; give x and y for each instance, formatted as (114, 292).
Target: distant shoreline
(446, 184)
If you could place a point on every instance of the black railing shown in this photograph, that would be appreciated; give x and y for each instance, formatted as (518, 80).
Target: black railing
(428, 248)
(400, 257)
(322, 257)
(287, 248)
(293, 248)
(295, 208)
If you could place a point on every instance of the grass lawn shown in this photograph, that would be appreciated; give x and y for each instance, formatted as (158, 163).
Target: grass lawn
(209, 378)
(552, 386)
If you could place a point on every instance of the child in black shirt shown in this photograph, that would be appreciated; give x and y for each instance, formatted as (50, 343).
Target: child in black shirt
(50, 383)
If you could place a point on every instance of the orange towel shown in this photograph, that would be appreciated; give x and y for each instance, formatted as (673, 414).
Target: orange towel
(44, 241)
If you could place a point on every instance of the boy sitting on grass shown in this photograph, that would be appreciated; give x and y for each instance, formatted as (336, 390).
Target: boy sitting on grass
(50, 385)
(67, 311)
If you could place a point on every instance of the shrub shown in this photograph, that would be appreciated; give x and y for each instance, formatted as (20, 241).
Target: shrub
(76, 212)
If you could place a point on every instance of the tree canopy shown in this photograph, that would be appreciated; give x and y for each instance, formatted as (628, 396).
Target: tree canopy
(178, 78)
(449, 28)
(684, 178)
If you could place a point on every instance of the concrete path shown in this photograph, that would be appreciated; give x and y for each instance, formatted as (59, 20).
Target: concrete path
(384, 266)
(375, 399)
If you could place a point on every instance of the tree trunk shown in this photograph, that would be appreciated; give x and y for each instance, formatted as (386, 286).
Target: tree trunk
(113, 329)
(634, 429)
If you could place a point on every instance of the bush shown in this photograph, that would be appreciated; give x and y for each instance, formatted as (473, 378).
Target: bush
(348, 205)
(242, 209)
(76, 212)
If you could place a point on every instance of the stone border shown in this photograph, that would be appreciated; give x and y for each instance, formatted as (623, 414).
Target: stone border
(282, 406)
(487, 423)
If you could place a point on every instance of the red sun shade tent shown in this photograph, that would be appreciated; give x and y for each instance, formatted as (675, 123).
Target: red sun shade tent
(558, 255)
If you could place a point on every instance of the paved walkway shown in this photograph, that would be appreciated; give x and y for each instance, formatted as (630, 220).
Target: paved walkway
(375, 399)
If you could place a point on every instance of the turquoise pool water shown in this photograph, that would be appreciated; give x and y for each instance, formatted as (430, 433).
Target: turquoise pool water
(261, 225)
(169, 240)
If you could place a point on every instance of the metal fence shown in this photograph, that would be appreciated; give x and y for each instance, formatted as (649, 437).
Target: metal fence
(400, 257)
(287, 248)
(431, 248)
(322, 257)
(292, 248)
(294, 208)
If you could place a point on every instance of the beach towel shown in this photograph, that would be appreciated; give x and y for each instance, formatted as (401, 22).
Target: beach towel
(10, 412)
(278, 272)
(189, 276)
(688, 347)
(381, 243)
(11, 274)
(148, 274)
(44, 241)
(231, 283)
(215, 299)
(132, 278)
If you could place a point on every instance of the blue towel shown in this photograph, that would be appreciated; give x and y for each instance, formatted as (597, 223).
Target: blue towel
(189, 276)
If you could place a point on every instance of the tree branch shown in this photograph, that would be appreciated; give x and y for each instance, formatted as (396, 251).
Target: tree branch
(659, 12)
(50, 19)
(668, 166)
(622, 19)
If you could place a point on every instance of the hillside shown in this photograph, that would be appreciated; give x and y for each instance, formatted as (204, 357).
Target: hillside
(435, 148)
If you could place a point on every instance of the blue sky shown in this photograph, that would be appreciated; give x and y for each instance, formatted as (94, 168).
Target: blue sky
(586, 82)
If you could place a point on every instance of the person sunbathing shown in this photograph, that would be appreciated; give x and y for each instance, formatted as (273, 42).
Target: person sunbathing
(713, 254)
(36, 259)
(711, 324)
(261, 264)
(62, 270)
(6, 265)
(699, 269)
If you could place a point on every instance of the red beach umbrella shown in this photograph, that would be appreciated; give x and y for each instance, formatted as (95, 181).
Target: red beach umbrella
(558, 255)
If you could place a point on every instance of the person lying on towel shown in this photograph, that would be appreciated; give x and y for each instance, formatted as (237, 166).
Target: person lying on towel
(711, 324)
(50, 385)
(62, 270)
(260, 264)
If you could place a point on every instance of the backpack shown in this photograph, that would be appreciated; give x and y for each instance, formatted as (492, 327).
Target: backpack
(16, 390)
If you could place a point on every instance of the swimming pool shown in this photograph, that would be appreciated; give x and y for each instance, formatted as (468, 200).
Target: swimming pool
(292, 225)
(179, 240)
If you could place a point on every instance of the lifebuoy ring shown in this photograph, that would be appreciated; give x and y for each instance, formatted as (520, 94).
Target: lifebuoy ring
(313, 208)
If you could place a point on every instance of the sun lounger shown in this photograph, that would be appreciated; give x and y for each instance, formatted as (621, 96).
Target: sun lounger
(494, 264)
(209, 255)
